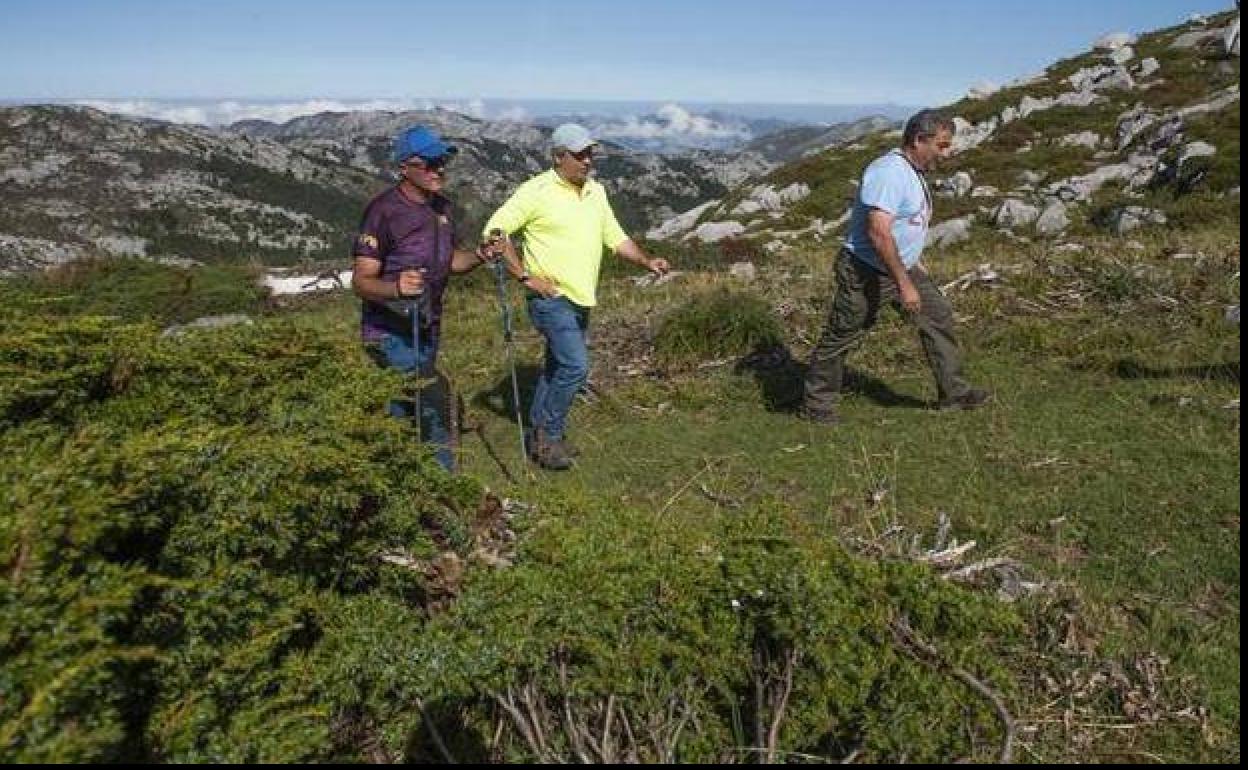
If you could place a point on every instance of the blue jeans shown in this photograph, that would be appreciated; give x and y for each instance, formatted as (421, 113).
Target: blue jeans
(564, 325)
(398, 352)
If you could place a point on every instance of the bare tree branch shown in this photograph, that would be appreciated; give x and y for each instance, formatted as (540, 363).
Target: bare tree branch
(910, 641)
(434, 734)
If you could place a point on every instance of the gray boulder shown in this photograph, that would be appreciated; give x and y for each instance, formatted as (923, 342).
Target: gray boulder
(679, 224)
(710, 232)
(1053, 220)
(1147, 68)
(1113, 41)
(968, 135)
(1089, 139)
(1128, 218)
(208, 322)
(1030, 177)
(961, 183)
(1122, 55)
(1014, 213)
(982, 90)
(950, 232)
(1101, 78)
(1196, 149)
(1194, 38)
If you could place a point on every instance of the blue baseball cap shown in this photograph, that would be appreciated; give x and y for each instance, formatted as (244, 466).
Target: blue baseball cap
(423, 142)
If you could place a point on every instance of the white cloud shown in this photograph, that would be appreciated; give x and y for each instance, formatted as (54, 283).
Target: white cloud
(672, 122)
(514, 115)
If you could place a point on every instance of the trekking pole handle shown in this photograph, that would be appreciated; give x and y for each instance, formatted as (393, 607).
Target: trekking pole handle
(406, 304)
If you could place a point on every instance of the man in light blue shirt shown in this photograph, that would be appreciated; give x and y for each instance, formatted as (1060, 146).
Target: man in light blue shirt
(881, 261)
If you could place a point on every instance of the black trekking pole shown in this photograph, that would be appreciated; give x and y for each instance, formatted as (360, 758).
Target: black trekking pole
(505, 309)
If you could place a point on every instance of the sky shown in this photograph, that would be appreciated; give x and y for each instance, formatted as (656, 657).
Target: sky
(728, 51)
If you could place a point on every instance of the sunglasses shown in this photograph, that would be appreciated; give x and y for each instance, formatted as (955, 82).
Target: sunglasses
(435, 166)
(583, 155)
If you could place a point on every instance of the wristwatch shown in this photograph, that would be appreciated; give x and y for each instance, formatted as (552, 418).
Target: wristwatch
(523, 277)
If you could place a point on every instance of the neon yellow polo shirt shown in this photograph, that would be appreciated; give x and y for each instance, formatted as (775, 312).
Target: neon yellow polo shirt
(564, 230)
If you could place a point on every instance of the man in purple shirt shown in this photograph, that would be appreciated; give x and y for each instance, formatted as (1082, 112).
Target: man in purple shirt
(404, 255)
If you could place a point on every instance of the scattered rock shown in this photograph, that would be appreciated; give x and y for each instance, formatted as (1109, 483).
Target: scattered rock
(1193, 38)
(710, 232)
(279, 282)
(1069, 247)
(985, 191)
(1127, 218)
(982, 90)
(1030, 177)
(766, 198)
(961, 183)
(1136, 172)
(1014, 213)
(745, 271)
(1113, 41)
(1122, 55)
(679, 224)
(1053, 220)
(1147, 68)
(950, 232)
(1086, 78)
(968, 135)
(1196, 149)
(208, 322)
(1089, 139)
(1232, 314)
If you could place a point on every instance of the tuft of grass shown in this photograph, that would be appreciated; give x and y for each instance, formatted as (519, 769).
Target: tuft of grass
(716, 324)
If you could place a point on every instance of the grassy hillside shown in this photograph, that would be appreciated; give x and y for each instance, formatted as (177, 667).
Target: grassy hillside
(216, 548)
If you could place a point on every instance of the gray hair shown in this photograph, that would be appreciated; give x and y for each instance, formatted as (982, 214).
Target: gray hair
(923, 124)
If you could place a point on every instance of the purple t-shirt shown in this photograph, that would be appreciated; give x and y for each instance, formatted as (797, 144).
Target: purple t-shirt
(405, 235)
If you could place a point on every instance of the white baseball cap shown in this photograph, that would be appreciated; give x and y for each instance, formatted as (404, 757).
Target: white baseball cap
(572, 137)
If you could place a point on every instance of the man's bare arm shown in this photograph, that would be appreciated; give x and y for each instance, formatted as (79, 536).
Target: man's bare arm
(633, 253)
(880, 233)
(367, 283)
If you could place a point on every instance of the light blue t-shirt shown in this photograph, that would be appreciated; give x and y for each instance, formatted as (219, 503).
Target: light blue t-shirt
(891, 184)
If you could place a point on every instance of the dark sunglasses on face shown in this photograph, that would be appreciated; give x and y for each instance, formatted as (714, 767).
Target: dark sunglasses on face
(435, 166)
(583, 155)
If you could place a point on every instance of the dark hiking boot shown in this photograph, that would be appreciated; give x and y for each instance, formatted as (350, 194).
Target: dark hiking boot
(818, 416)
(973, 398)
(530, 447)
(553, 456)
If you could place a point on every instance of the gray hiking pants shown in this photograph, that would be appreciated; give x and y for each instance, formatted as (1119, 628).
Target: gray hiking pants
(860, 291)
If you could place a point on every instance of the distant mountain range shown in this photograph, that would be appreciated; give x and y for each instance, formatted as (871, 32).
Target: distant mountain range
(77, 182)
(1093, 138)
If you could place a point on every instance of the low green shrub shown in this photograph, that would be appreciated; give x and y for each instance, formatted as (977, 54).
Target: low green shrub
(716, 324)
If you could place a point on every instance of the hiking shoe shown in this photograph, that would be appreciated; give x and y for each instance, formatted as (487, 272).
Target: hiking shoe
(818, 416)
(531, 447)
(973, 398)
(553, 456)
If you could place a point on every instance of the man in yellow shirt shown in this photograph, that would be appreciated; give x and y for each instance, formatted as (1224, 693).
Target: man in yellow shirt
(566, 221)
